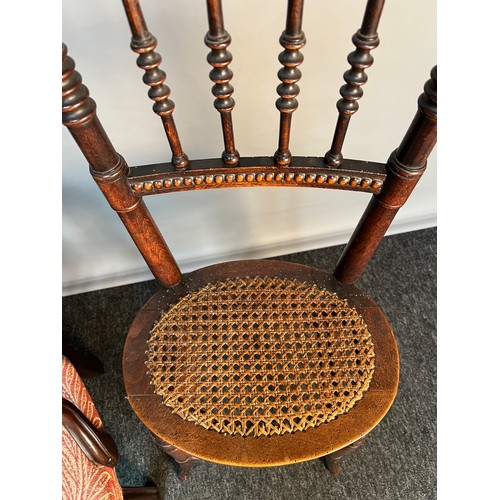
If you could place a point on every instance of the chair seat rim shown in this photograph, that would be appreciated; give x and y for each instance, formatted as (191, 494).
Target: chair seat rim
(262, 451)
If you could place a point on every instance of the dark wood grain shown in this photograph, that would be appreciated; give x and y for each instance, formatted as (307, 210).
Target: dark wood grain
(86, 365)
(365, 39)
(144, 44)
(404, 169)
(110, 172)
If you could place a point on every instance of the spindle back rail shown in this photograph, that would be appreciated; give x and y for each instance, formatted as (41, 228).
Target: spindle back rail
(332, 171)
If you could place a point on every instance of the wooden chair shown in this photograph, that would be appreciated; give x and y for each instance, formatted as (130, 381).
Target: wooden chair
(256, 362)
(89, 454)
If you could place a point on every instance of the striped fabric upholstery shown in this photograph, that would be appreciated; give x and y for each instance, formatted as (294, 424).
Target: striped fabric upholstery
(82, 479)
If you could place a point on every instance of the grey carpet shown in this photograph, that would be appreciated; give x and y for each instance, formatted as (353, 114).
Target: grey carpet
(398, 460)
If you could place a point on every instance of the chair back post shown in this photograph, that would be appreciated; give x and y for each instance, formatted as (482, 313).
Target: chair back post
(110, 172)
(404, 169)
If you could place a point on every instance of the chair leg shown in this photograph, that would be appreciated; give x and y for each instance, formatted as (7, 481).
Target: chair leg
(184, 461)
(145, 493)
(333, 459)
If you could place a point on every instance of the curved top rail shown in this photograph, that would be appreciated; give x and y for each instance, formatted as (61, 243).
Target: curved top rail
(305, 171)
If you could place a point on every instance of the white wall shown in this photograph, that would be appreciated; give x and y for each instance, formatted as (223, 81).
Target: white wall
(206, 227)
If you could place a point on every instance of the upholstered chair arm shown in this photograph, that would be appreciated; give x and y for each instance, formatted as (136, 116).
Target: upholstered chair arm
(97, 446)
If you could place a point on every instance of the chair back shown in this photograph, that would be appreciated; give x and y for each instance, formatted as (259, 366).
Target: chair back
(126, 188)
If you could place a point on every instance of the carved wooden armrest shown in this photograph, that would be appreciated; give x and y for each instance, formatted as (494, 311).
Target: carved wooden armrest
(97, 446)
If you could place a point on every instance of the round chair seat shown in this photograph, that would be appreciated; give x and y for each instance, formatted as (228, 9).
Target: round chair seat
(258, 363)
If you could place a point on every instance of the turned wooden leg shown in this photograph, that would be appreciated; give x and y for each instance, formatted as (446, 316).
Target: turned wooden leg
(333, 459)
(185, 462)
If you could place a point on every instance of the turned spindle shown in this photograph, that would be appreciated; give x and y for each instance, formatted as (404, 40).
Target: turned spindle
(185, 462)
(218, 39)
(144, 44)
(110, 172)
(292, 40)
(365, 39)
(404, 169)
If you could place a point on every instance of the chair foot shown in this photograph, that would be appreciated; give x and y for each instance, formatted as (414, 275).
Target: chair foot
(145, 493)
(184, 461)
(332, 464)
(332, 461)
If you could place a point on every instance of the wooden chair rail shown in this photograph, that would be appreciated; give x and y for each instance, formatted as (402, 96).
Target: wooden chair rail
(144, 44)
(361, 176)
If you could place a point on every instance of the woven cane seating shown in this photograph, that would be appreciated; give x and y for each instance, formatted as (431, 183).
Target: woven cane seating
(256, 362)
(260, 356)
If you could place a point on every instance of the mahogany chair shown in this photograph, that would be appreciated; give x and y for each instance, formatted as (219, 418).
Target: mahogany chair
(256, 362)
(89, 454)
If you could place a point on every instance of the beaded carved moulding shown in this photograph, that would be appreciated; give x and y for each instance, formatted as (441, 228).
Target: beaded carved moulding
(260, 356)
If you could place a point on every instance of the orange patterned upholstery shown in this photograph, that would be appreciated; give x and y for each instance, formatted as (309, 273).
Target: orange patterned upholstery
(82, 479)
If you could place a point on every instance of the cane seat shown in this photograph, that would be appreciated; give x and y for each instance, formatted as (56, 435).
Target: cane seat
(256, 362)
(260, 363)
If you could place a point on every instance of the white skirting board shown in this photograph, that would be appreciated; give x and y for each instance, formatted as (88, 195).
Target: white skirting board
(135, 275)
